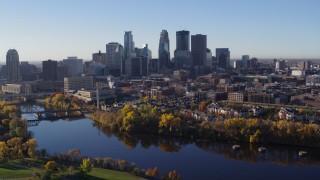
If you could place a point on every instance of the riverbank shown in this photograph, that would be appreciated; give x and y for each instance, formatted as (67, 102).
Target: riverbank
(31, 168)
(253, 130)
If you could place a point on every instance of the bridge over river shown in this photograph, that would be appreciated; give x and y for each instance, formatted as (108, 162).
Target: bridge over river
(50, 114)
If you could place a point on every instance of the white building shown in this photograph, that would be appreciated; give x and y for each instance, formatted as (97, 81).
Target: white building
(91, 95)
(298, 73)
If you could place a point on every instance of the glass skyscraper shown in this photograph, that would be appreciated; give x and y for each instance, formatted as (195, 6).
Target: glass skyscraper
(183, 39)
(128, 44)
(164, 49)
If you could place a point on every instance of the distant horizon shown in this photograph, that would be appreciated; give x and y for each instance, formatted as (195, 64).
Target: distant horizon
(42, 30)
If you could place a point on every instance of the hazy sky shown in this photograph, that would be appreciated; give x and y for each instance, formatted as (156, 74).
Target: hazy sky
(55, 29)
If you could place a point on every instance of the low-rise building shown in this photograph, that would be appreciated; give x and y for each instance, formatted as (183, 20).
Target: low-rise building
(236, 97)
(91, 95)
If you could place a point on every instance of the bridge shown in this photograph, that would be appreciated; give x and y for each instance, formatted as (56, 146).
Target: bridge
(36, 111)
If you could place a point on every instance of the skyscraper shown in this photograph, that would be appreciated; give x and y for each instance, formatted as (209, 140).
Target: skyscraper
(114, 58)
(13, 65)
(245, 59)
(49, 70)
(223, 58)
(182, 54)
(128, 45)
(164, 49)
(183, 40)
(199, 49)
(99, 57)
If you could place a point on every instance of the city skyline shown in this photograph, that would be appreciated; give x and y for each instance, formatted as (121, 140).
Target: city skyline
(55, 30)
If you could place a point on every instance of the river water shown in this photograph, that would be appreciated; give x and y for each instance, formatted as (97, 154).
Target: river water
(191, 159)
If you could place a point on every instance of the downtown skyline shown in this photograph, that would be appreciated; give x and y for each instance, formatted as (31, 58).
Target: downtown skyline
(55, 30)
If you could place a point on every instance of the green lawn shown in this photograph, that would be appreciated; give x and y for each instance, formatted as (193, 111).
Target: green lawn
(101, 173)
(19, 168)
(24, 169)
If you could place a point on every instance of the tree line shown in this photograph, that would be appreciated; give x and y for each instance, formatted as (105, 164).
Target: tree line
(15, 139)
(147, 119)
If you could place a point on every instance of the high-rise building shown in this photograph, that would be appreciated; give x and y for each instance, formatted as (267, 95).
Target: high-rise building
(280, 65)
(28, 72)
(209, 58)
(136, 67)
(199, 49)
(74, 65)
(114, 58)
(49, 70)
(164, 49)
(223, 58)
(13, 65)
(128, 45)
(183, 40)
(182, 54)
(245, 59)
(99, 57)
(62, 71)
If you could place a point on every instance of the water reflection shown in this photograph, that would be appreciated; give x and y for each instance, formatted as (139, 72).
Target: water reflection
(280, 155)
(165, 143)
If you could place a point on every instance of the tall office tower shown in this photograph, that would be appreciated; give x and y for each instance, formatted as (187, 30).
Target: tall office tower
(136, 67)
(209, 58)
(183, 40)
(49, 70)
(62, 71)
(13, 65)
(128, 45)
(182, 54)
(223, 58)
(99, 57)
(114, 58)
(199, 49)
(164, 49)
(74, 65)
(280, 65)
(245, 59)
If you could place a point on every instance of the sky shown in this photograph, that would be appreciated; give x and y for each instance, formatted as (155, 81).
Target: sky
(55, 29)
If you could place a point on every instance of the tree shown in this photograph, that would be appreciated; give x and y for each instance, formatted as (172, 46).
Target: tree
(127, 108)
(51, 165)
(86, 165)
(3, 149)
(31, 145)
(129, 121)
(255, 138)
(172, 175)
(202, 106)
(152, 172)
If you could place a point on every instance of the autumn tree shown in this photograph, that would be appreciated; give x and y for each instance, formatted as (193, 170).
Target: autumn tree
(169, 123)
(202, 106)
(51, 165)
(86, 165)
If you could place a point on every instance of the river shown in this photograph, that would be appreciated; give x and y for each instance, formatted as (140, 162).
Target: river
(191, 159)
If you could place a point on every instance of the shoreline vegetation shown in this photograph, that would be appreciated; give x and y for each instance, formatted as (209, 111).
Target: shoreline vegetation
(19, 157)
(149, 120)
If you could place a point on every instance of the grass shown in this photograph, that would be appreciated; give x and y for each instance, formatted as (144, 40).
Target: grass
(24, 169)
(111, 174)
